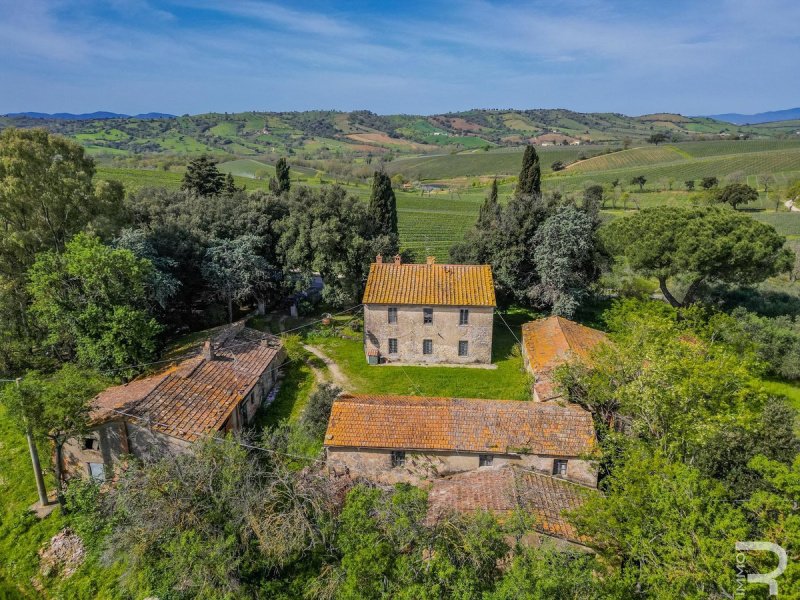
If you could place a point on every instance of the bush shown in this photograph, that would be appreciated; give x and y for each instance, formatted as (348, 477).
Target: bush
(318, 410)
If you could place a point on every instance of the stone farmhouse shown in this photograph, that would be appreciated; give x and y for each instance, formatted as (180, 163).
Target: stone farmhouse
(428, 313)
(412, 439)
(551, 342)
(503, 490)
(218, 390)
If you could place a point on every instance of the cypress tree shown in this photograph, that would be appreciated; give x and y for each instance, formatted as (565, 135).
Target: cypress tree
(282, 176)
(530, 177)
(490, 209)
(383, 204)
(230, 185)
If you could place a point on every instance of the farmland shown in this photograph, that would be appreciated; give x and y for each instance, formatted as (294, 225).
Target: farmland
(429, 223)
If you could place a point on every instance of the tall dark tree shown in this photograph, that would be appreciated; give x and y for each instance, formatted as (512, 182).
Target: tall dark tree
(383, 204)
(282, 182)
(203, 178)
(490, 209)
(230, 185)
(530, 177)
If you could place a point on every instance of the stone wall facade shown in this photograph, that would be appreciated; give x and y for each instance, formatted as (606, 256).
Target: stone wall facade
(376, 464)
(444, 333)
(112, 441)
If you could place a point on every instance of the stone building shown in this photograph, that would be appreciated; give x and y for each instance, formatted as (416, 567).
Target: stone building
(428, 313)
(551, 342)
(503, 490)
(217, 390)
(411, 438)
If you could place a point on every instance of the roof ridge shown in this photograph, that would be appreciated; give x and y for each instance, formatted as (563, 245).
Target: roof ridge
(552, 478)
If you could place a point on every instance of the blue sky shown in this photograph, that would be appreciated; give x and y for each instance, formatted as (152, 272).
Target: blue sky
(192, 56)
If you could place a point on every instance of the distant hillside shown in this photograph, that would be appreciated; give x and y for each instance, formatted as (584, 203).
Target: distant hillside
(95, 116)
(764, 117)
(342, 136)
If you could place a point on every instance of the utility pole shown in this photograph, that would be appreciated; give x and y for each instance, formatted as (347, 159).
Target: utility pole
(37, 466)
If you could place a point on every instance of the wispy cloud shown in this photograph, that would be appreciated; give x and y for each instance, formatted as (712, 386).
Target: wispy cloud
(194, 55)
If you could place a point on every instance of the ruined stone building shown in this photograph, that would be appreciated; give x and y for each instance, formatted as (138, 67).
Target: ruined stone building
(216, 390)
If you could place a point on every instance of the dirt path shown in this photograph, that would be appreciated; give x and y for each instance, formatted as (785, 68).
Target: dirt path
(790, 205)
(338, 377)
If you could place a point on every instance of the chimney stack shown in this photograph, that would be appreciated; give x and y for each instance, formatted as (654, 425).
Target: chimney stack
(379, 259)
(397, 259)
(431, 260)
(208, 351)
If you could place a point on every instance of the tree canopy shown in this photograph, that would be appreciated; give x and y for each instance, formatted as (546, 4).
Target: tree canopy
(736, 194)
(92, 302)
(698, 245)
(203, 178)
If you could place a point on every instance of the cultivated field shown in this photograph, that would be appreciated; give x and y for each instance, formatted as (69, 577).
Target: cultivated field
(431, 223)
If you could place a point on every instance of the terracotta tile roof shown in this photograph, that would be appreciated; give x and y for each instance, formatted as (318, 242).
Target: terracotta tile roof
(197, 395)
(501, 490)
(551, 342)
(121, 396)
(459, 424)
(430, 284)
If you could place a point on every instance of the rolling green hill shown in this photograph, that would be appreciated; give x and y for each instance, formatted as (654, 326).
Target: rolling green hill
(322, 135)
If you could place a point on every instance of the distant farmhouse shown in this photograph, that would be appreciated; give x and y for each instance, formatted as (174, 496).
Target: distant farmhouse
(551, 342)
(410, 438)
(428, 313)
(216, 391)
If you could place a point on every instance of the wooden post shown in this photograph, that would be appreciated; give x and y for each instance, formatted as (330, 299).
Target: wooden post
(37, 466)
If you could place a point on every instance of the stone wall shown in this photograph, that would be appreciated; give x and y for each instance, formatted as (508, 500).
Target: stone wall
(115, 439)
(445, 333)
(377, 465)
(110, 443)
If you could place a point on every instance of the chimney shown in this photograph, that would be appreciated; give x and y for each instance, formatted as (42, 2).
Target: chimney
(397, 259)
(379, 259)
(430, 260)
(208, 351)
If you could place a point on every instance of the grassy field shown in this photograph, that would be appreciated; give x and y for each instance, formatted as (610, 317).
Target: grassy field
(22, 534)
(784, 388)
(502, 162)
(508, 381)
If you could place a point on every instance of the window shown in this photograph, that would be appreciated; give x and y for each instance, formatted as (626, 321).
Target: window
(427, 316)
(392, 345)
(97, 471)
(559, 467)
(427, 346)
(392, 315)
(90, 444)
(485, 460)
(463, 316)
(398, 458)
(463, 348)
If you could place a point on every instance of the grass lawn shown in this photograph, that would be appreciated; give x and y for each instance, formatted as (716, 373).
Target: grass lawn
(296, 387)
(784, 388)
(508, 381)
